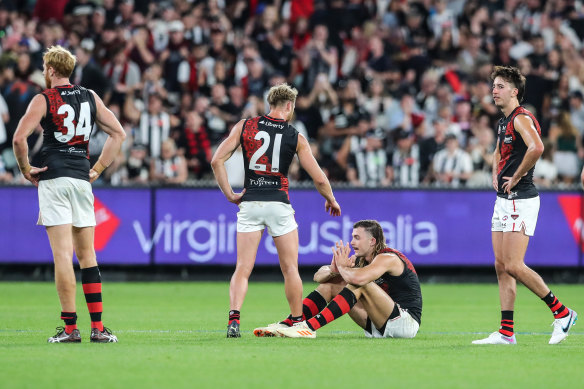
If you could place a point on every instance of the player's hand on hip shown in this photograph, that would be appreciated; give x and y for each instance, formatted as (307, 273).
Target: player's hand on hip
(33, 174)
(509, 184)
(93, 175)
(333, 208)
(235, 198)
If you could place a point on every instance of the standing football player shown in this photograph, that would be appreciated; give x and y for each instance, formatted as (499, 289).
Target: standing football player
(519, 146)
(269, 143)
(67, 114)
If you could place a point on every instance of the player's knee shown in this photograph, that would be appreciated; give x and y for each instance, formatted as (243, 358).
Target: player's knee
(499, 266)
(289, 270)
(242, 270)
(86, 257)
(514, 269)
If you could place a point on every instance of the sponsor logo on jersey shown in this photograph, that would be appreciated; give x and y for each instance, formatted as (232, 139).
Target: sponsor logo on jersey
(508, 139)
(263, 182)
(270, 124)
(70, 92)
(73, 150)
(106, 224)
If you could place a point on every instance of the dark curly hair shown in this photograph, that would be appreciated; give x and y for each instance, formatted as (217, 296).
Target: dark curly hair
(513, 76)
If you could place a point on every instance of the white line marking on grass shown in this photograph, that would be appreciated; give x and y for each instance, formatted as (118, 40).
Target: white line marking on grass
(447, 333)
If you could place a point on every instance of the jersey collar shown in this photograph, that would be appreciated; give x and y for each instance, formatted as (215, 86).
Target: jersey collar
(274, 119)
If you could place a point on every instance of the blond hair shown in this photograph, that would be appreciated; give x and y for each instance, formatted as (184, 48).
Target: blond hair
(61, 60)
(281, 94)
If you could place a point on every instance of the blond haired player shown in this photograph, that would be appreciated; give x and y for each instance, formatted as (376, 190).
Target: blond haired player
(67, 114)
(269, 143)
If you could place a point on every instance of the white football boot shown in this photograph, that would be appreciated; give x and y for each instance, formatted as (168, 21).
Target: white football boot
(270, 330)
(298, 330)
(496, 338)
(562, 327)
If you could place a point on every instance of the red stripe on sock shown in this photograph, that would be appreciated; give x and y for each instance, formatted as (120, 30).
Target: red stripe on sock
(95, 307)
(506, 333)
(311, 305)
(97, 324)
(313, 323)
(556, 307)
(92, 288)
(342, 303)
(70, 328)
(328, 315)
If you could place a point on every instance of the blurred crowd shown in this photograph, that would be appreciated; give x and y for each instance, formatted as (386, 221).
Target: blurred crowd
(391, 92)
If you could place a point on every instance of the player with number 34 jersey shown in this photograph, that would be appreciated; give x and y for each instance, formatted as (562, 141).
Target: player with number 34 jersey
(67, 127)
(67, 114)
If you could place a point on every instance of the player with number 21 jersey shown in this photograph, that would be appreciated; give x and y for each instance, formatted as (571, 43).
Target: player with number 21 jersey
(269, 144)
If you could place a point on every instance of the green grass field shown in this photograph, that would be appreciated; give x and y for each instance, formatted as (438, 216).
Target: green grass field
(173, 335)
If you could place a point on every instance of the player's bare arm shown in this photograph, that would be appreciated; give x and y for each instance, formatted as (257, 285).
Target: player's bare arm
(360, 276)
(495, 168)
(28, 123)
(324, 274)
(108, 122)
(328, 272)
(222, 154)
(308, 163)
(526, 128)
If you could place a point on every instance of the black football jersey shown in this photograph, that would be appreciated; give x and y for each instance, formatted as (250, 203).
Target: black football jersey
(405, 288)
(269, 145)
(513, 149)
(67, 127)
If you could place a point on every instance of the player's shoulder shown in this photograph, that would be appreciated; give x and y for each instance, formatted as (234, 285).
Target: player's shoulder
(387, 255)
(524, 116)
(521, 112)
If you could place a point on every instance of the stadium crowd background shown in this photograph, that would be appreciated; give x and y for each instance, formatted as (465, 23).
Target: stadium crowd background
(392, 93)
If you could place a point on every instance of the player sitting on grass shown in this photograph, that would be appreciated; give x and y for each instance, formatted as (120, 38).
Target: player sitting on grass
(378, 287)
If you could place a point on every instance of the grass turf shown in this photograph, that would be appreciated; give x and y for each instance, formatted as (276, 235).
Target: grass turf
(173, 335)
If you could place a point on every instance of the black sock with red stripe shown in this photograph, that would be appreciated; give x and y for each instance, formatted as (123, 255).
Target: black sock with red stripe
(234, 315)
(291, 320)
(558, 309)
(91, 281)
(506, 323)
(312, 304)
(70, 319)
(341, 304)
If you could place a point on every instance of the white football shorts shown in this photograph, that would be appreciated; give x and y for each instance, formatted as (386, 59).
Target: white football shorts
(256, 215)
(403, 326)
(515, 215)
(66, 200)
